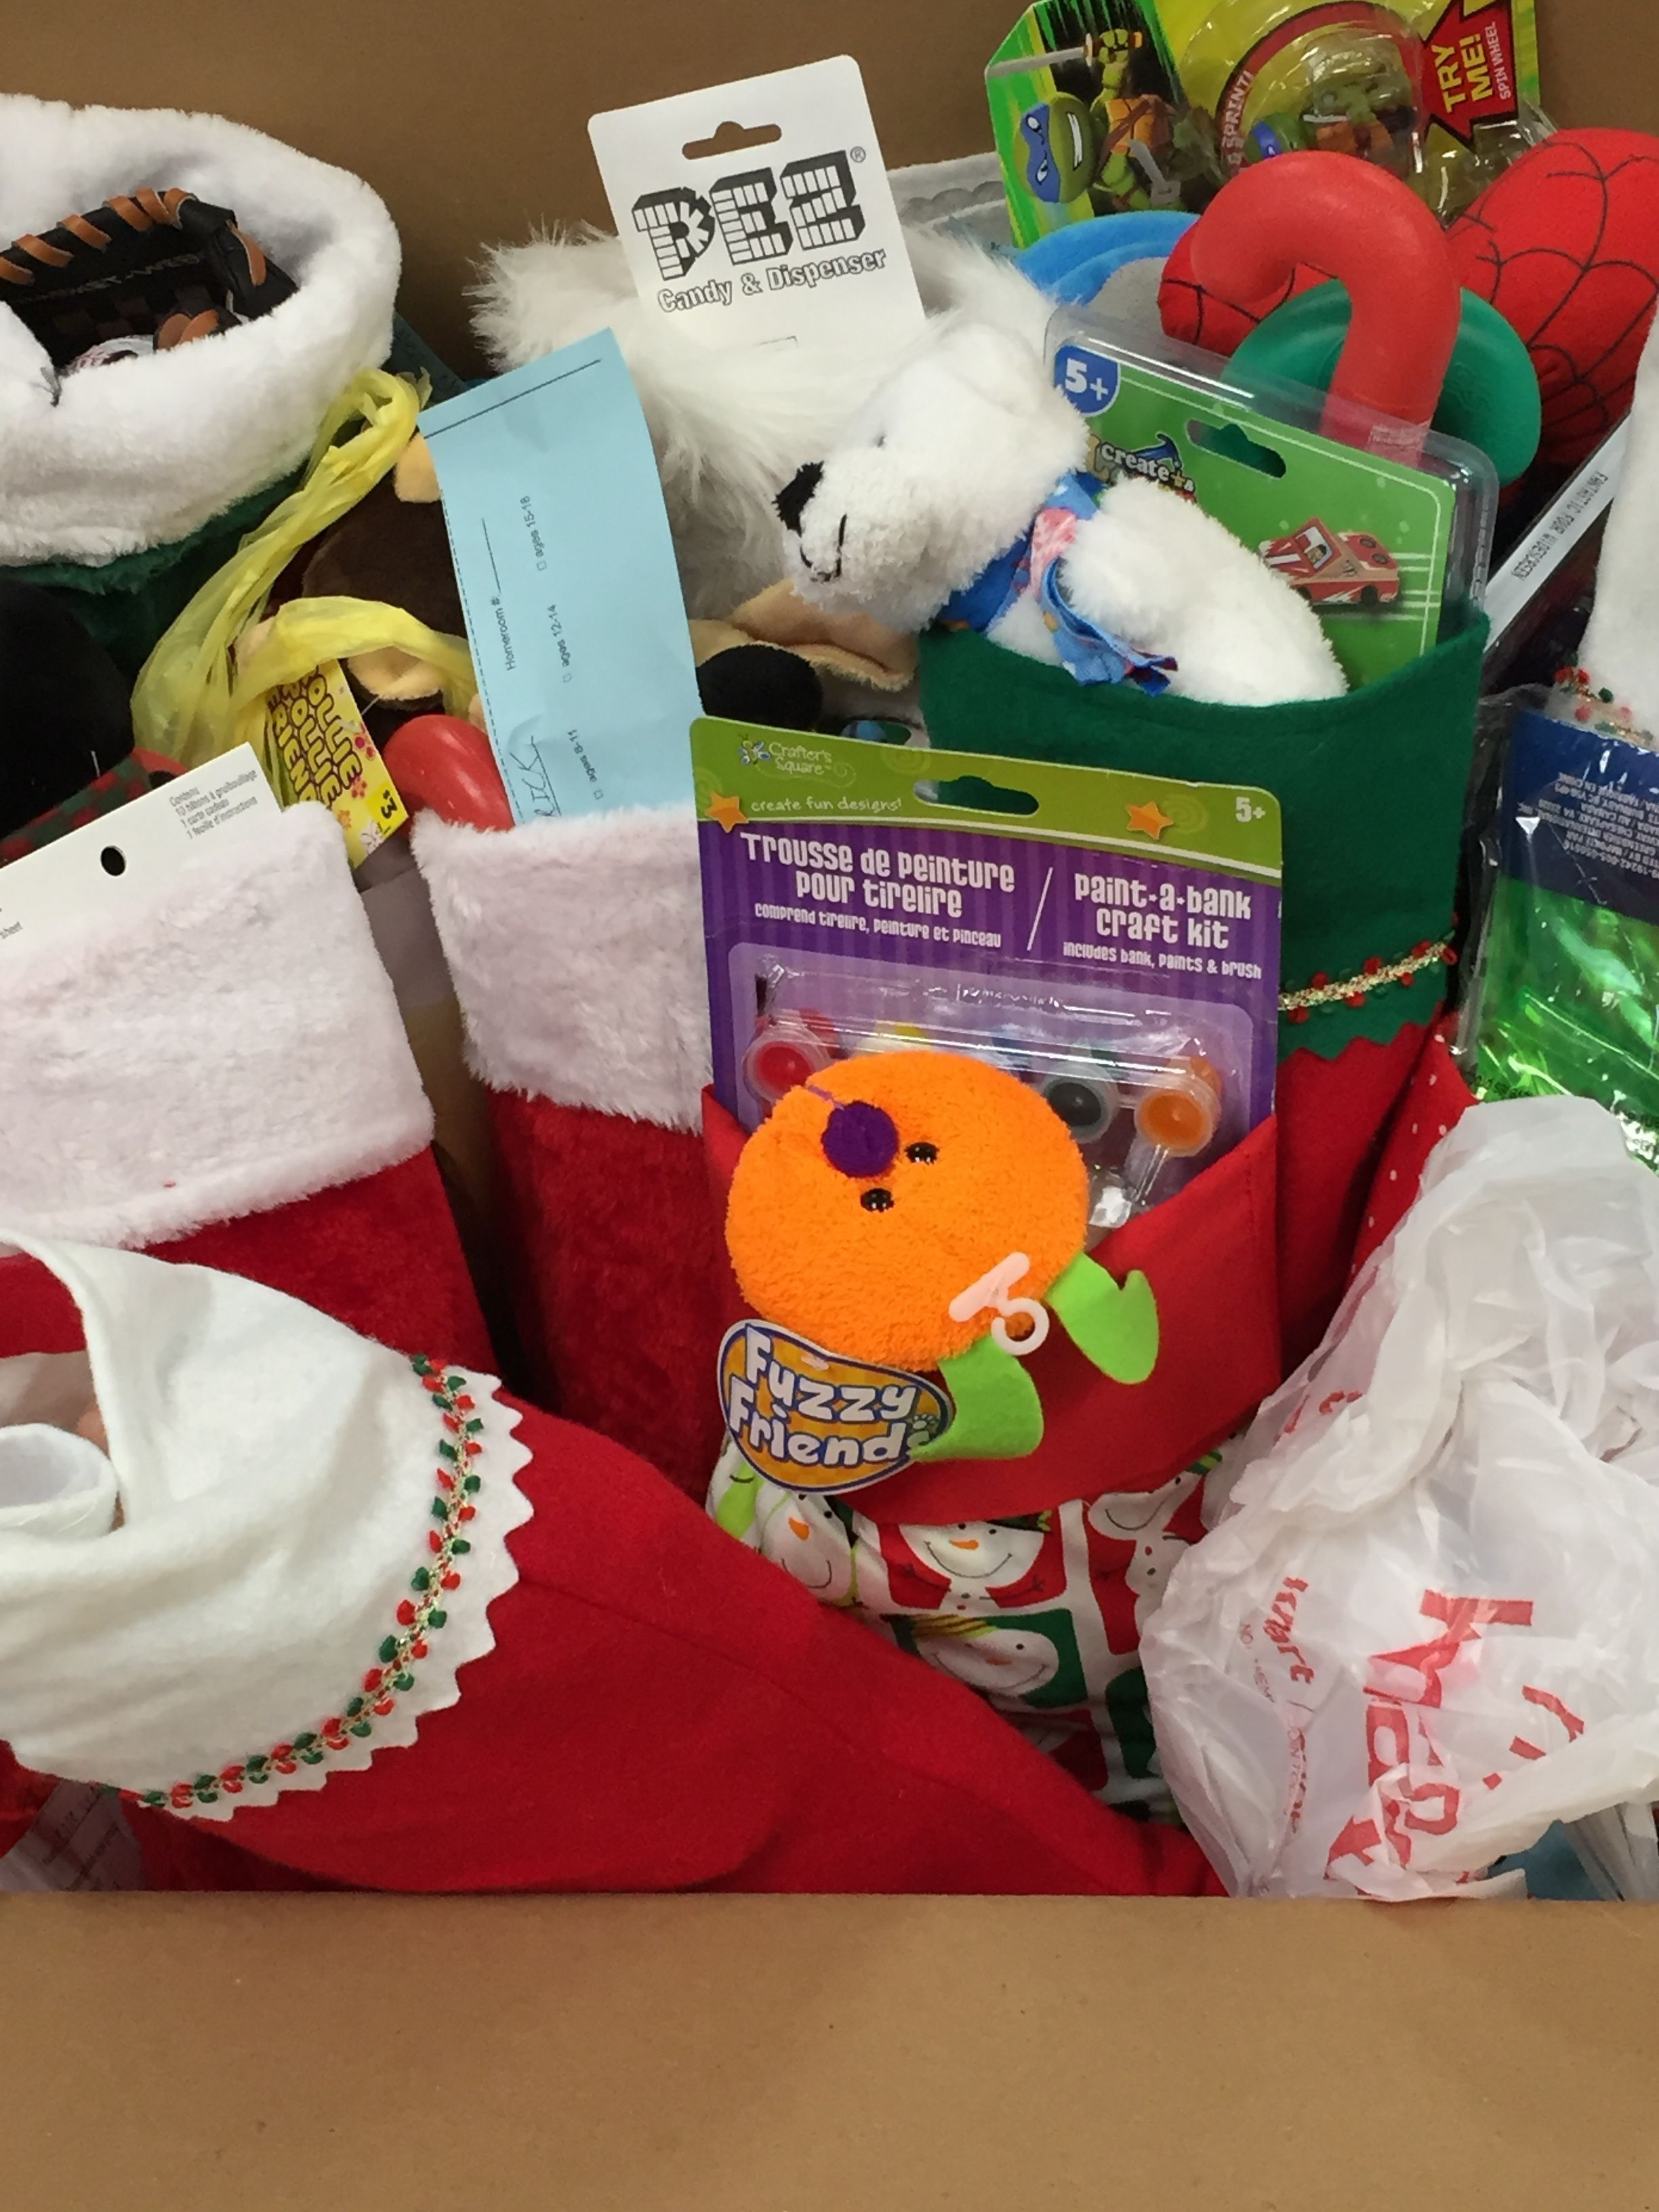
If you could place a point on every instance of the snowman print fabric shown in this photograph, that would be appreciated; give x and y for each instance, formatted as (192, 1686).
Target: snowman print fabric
(1041, 1614)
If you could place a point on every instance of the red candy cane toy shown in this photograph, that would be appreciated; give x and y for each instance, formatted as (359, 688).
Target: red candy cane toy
(1363, 226)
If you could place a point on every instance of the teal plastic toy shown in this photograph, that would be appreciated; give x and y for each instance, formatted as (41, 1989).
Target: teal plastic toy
(1490, 397)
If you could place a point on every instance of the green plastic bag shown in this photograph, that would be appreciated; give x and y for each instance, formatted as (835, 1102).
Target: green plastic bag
(1566, 998)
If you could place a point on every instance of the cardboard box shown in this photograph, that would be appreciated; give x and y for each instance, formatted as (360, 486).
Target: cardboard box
(820, 2055)
(773, 2054)
(471, 121)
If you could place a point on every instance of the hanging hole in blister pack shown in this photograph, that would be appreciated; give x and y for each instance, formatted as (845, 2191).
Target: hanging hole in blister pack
(975, 794)
(1231, 441)
(731, 138)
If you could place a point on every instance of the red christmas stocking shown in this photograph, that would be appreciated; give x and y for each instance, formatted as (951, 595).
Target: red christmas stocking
(1371, 787)
(1032, 1578)
(21, 1796)
(379, 1625)
(576, 949)
(219, 1069)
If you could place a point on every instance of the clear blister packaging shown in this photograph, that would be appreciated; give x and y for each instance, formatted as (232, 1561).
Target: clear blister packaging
(1110, 938)
(1152, 1092)
(1444, 97)
(1391, 553)
(1350, 89)
(1563, 995)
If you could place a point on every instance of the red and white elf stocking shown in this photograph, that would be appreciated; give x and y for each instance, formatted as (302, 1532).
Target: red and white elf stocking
(219, 1068)
(265, 1553)
(576, 949)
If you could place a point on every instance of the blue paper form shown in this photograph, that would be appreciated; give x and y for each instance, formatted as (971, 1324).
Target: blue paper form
(568, 583)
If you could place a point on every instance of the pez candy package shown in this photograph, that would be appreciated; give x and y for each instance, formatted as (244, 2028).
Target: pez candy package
(1111, 938)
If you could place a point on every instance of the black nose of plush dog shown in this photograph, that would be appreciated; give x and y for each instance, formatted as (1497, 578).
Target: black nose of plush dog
(791, 501)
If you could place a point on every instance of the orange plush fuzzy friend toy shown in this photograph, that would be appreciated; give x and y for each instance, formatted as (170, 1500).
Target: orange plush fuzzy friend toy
(922, 1210)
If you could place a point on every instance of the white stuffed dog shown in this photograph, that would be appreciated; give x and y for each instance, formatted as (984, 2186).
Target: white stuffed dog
(729, 424)
(956, 492)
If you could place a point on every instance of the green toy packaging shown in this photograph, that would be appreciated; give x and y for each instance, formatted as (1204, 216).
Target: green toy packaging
(1563, 998)
(1391, 555)
(1088, 121)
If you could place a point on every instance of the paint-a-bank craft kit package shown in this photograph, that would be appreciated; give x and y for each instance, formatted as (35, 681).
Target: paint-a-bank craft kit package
(1112, 938)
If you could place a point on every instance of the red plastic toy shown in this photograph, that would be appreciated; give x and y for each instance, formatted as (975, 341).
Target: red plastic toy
(1357, 224)
(440, 763)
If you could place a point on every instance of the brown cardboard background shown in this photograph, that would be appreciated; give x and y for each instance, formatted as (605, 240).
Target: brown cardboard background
(771, 2055)
(470, 116)
(824, 2055)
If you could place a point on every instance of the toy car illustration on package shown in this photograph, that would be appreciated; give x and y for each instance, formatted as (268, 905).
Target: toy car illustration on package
(1390, 553)
(1332, 568)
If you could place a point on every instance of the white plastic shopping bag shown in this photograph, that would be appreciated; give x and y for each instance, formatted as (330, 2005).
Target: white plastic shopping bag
(1427, 1624)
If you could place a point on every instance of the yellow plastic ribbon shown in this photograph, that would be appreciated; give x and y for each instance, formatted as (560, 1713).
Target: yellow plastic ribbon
(193, 701)
(305, 634)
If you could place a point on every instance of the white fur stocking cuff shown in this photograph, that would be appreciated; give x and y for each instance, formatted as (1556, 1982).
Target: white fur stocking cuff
(230, 1044)
(576, 947)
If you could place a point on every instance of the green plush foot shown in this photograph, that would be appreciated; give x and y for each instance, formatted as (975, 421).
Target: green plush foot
(734, 1511)
(1114, 1325)
(999, 1414)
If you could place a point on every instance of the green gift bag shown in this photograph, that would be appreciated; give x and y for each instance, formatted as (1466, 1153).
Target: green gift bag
(1372, 788)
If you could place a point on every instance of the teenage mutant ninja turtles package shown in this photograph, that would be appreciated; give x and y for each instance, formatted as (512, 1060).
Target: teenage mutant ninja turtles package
(1089, 120)
(1104, 105)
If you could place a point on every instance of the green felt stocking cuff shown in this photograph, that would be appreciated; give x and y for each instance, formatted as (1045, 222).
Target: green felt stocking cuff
(1371, 785)
(126, 603)
(1114, 1325)
(999, 1414)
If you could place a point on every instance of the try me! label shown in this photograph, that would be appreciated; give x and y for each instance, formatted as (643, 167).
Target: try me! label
(809, 1420)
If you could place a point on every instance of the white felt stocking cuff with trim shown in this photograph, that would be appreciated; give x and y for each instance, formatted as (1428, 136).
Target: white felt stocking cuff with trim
(313, 1530)
(113, 462)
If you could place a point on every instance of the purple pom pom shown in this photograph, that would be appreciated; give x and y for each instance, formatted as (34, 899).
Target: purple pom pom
(859, 1140)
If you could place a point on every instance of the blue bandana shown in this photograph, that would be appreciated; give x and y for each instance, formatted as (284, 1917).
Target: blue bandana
(1093, 655)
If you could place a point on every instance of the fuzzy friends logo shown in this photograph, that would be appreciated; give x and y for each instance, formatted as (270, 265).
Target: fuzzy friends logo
(810, 1421)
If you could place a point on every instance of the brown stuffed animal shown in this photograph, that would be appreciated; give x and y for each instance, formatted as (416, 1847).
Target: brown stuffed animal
(784, 662)
(778, 660)
(394, 546)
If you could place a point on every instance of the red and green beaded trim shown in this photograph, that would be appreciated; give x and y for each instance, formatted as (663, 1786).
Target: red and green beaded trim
(419, 1616)
(1598, 709)
(1375, 975)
